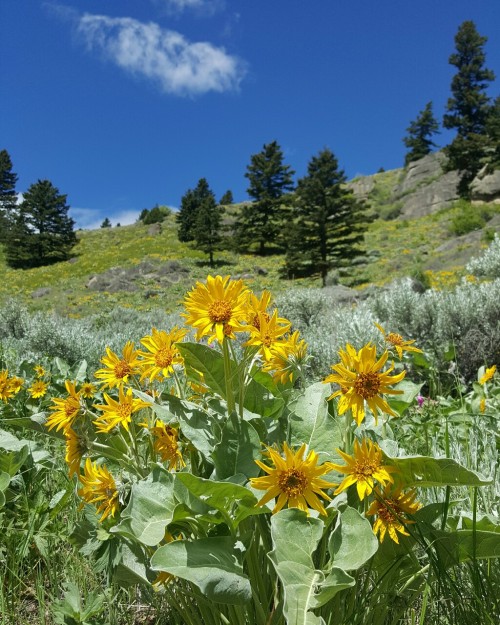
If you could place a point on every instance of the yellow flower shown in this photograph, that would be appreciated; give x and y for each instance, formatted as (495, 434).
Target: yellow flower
(65, 411)
(38, 389)
(88, 390)
(163, 354)
(363, 468)
(360, 380)
(118, 412)
(391, 508)
(74, 451)
(257, 305)
(488, 374)
(397, 341)
(118, 370)
(6, 390)
(40, 371)
(217, 309)
(293, 480)
(266, 333)
(99, 488)
(482, 405)
(166, 445)
(285, 358)
(16, 384)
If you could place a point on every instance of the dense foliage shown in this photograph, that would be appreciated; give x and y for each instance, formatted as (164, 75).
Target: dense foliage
(420, 131)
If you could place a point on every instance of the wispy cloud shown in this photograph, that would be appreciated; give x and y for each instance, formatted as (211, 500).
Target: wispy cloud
(177, 65)
(205, 6)
(91, 218)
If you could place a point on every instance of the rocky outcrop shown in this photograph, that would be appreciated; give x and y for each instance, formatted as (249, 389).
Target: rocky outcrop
(136, 277)
(486, 187)
(423, 187)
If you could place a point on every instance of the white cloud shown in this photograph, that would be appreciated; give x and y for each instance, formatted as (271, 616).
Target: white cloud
(164, 56)
(91, 218)
(204, 6)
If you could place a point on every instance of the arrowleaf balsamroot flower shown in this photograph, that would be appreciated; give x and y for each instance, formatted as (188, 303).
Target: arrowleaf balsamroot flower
(267, 333)
(166, 445)
(398, 343)
(488, 374)
(88, 390)
(75, 448)
(65, 410)
(392, 507)
(99, 488)
(117, 370)
(286, 357)
(217, 308)
(38, 389)
(363, 468)
(9, 386)
(293, 480)
(118, 412)
(360, 379)
(162, 353)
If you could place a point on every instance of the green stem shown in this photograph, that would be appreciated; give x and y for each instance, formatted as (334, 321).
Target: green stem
(228, 376)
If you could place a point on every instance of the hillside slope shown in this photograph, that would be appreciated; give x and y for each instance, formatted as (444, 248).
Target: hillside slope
(419, 229)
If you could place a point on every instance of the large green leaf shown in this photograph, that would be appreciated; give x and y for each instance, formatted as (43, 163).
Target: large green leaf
(400, 403)
(207, 361)
(427, 471)
(212, 564)
(233, 501)
(238, 449)
(12, 461)
(464, 545)
(295, 537)
(197, 425)
(352, 543)
(4, 482)
(336, 580)
(310, 422)
(130, 569)
(150, 509)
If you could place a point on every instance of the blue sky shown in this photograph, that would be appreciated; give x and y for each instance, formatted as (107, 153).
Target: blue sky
(124, 104)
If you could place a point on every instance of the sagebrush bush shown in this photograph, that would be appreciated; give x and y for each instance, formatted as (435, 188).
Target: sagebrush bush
(488, 264)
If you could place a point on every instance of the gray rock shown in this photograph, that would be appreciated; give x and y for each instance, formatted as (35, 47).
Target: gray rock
(486, 187)
(429, 198)
(41, 292)
(418, 172)
(154, 230)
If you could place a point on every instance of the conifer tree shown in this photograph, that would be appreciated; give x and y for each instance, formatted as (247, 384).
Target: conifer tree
(419, 136)
(106, 223)
(207, 228)
(328, 220)
(468, 108)
(270, 179)
(190, 203)
(8, 195)
(42, 232)
(227, 198)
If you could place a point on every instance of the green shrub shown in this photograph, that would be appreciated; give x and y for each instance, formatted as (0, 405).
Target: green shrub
(467, 220)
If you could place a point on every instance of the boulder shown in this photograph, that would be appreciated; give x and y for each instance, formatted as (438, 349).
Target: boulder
(486, 187)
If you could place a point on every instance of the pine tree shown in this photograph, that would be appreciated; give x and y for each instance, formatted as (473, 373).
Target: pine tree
(468, 108)
(190, 202)
(227, 198)
(8, 195)
(328, 220)
(207, 229)
(42, 232)
(493, 134)
(419, 132)
(106, 223)
(270, 179)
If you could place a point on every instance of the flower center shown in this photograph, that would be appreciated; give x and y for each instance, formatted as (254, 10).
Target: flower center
(256, 319)
(125, 410)
(292, 482)
(386, 515)
(122, 369)
(164, 357)
(367, 385)
(395, 339)
(71, 407)
(365, 468)
(220, 311)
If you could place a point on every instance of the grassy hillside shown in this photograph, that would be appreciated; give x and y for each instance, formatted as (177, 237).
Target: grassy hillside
(432, 248)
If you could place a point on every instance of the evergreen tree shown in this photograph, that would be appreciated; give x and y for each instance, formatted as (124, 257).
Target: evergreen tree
(328, 220)
(106, 223)
(42, 232)
(187, 215)
(468, 108)
(227, 198)
(207, 228)
(8, 195)
(419, 132)
(269, 178)
(493, 134)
